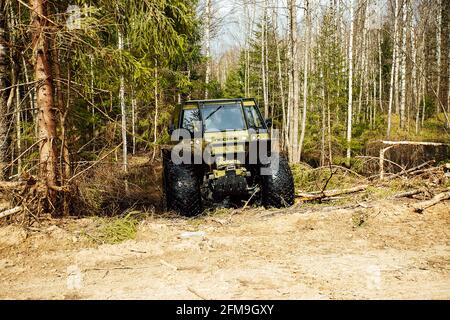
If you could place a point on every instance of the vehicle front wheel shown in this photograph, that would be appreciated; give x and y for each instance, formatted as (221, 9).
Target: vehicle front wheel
(277, 184)
(182, 189)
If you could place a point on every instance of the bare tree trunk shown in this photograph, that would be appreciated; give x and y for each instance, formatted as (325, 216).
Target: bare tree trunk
(291, 57)
(91, 60)
(14, 91)
(250, 26)
(397, 56)
(424, 90)
(46, 120)
(363, 66)
(133, 120)
(64, 144)
(403, 69)
(295, 78)
(18, 114)
(322, 140)
(3, 96)
(64, 169)
(155, 129)
(393, 71)
(289, 118)
(444, 61)
(32, 96)
(123, 110)
(263, 61)
(280, 82)
(305, 81)
(208, 45)
(374, 99)
(350, 86)
(380, 72)
(246, 48)
(438, 50)
(415, 86)
(330, 151)
(266, 61)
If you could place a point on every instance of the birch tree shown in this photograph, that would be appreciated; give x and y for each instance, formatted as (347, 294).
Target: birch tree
(123, 110)
(393, 70)
(207, 45)
(350, 85)
(294, 79)
(403, 68)
(264, 70)
(444, 61)
(305, 78)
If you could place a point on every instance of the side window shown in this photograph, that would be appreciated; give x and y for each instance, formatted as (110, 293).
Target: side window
(253, 118)
(190, 116)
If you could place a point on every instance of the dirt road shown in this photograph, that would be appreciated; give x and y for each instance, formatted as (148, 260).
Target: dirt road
(383, 251)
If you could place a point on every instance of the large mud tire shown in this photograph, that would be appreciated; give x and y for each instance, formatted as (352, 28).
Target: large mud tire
(278, 187)
(181, 188)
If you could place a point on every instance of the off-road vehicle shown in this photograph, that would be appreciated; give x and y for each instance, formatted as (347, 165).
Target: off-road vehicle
(221, 151)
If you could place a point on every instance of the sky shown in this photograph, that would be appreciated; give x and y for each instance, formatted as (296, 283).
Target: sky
(230, 33)
(230, 16)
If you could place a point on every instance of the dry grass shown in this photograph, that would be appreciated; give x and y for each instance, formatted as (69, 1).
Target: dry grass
(107, 190)
(314, 179)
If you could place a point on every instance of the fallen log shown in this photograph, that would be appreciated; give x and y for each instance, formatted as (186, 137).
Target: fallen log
(423, 143)
(319, 195)
(419, 172)
(420, 206)
(407, 193)
(10, 212)
(9, 185)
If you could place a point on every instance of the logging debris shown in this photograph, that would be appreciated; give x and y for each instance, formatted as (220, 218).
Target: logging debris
(422, 205)
(322, 195)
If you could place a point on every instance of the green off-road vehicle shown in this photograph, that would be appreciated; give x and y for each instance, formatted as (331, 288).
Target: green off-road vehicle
(222, 152)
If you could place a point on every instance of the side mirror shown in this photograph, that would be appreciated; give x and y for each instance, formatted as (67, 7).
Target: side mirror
(170, 129)
(268, 122)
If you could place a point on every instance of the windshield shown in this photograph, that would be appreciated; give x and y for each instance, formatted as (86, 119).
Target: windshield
(223, 117)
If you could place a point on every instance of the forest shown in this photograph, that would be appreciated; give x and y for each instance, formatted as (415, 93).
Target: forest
(356, 93)
(86, 83)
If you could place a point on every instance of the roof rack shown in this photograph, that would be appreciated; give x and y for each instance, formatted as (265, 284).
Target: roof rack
(219, 100)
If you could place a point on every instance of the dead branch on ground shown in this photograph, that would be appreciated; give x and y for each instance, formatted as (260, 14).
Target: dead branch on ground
(321, 195)
(420, 206)
(10, 211)
(412, 171)
(407, 194)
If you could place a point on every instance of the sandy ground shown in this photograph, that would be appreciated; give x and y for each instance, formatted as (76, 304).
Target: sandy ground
(385, 251)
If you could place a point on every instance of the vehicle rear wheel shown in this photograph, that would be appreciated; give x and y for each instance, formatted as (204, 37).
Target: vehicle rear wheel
(278, 186)
(181, 188)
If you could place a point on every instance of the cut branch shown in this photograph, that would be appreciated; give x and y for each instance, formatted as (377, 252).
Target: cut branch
(318, 195)
(10, 212)
(412, 170)
(407, 193)
(392, 143)
(420, 206)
